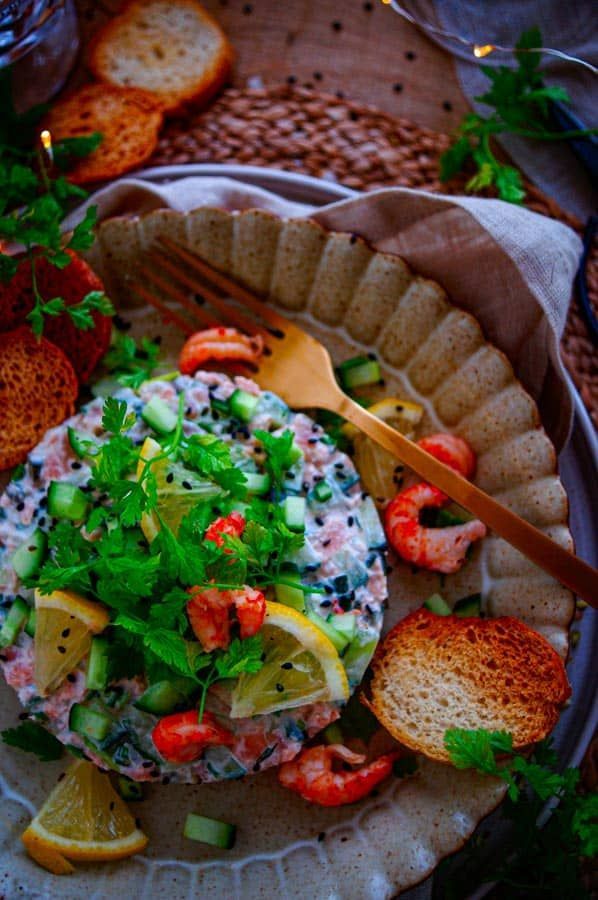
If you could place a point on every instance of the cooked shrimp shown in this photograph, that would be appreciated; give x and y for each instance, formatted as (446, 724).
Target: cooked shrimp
(219, 344)
(453, 451)
(311, 774)
(233, 525)
(439, 549)
(209, 609)
(181, 737)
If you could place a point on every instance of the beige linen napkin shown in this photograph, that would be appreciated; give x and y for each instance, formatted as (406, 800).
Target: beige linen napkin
(513, 269)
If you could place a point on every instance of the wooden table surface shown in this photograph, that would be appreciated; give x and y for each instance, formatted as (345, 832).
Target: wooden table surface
(363, 49)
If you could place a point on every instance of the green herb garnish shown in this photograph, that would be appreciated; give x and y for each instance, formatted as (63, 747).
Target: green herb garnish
(536, 862)
(521, 104)
(33, 738)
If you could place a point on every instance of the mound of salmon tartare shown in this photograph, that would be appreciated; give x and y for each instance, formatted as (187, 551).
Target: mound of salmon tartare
(192, 580)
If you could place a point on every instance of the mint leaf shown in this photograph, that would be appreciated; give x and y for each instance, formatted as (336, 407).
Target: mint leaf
(32, 738)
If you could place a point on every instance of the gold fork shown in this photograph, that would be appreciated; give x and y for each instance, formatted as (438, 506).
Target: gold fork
(298, 368)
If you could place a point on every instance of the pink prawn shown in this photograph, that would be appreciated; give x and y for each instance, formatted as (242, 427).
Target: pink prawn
(209, 614)
(312, 774)
(439, 549)
(219, 345)
(453, 451)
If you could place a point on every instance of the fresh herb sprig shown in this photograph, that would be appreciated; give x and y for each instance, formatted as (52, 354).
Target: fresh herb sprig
(131, 364)
(521, 105)
(538, 862)
(33, 738)
(33, 205)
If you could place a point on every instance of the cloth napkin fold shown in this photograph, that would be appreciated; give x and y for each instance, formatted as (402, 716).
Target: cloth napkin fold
(511, 268)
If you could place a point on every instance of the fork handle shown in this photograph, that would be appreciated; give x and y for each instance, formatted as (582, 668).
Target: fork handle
(563, 565)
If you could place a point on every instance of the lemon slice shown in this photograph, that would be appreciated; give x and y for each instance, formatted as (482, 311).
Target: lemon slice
(82, 819)
(376, 465)
(64, 625)
(301, 666)
(179, 489)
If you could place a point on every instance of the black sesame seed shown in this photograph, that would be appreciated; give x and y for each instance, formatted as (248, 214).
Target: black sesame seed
(410, 55)
(41, 521)
(72, 678)
(328, 589)
(305, 486)
(339, 465)
(61, 776)
(315, 427)
(319, 521)
(76, 464)
(263, 657)
(66, 632)
(247, 9)
(187, 485)
(111, 805)
(382, 383)
(3, 658)
(447, 105)
(43, 502)
(321, 836)
(286, 665)
(326, 542)
(188, 411)
(147, 764)
(353, 239)
(337, 26)
(170, 478)
(279, 687)
(397, 87)
(291, 79)
(61, 649)
(318, 76)
(165, 779)
(353, 115)
(20, 507)
(313, 440)
(350, 521)
(368, 7)
(340, 95)
(325, 603)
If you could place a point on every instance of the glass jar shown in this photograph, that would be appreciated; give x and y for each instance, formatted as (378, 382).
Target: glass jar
(39, 40)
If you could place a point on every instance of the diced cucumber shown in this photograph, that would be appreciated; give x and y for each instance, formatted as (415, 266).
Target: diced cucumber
(90, 723)
(358, 372)
(340, 641)
(293, 511)
(306, 559)
(209, 831)
(129, 790)
(468, 606)
(257, 483)
(164, 696)
(220, 406)
(358, 656)
(80, 444)
(290, 596)
(438, 605)
(30, 626)
(346, 624)
(14, 622)
(321, 492)
(294, 455)
(243, 405)
(28, 557)
(272, 406)
(97, 666)
(369, 519)
(333, 734)
(159, 416)
(221, 763)
(66, 501)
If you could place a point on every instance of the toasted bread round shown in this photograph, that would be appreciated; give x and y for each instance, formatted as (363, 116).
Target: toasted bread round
(437, 672)
(128, 119)
(172, 48)
(38, 389)
(83, 348)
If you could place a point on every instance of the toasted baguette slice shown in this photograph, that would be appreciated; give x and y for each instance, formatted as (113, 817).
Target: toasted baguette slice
(172, 48)
(38, 389)
(128, 119)
(83, 348)
(437, 672)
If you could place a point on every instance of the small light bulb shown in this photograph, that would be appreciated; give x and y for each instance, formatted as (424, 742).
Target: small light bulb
(46, 139)
(481, 50)
(387, 2)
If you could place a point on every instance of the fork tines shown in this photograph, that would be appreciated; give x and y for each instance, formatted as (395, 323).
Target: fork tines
(205, 300)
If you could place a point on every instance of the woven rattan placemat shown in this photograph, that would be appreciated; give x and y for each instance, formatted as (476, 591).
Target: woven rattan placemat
(327, 136)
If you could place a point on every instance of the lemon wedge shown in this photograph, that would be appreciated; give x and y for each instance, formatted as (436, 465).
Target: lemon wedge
(301, 666)
(179, 489)
(376, 466)
(64, 625)
(82, 819)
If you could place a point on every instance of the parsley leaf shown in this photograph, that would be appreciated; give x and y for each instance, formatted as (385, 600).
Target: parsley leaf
(520, 104)
(115, 417)
(279, 454)
(32, 738)
(241, 656)
(131, 365)
(81, 313)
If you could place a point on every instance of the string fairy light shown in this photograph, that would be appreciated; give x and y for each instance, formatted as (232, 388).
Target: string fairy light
(482, 50)
(46, 142)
